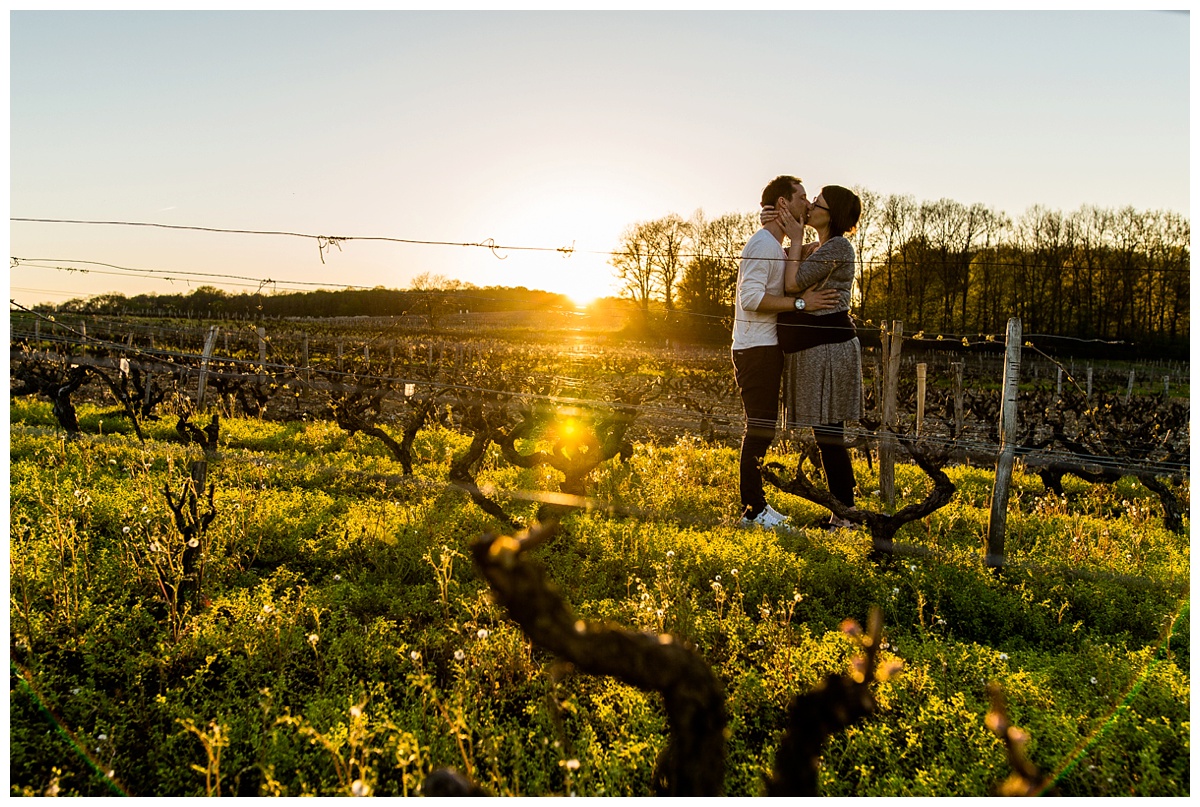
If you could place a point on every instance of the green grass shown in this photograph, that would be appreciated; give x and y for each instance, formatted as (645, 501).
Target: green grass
(347, 643)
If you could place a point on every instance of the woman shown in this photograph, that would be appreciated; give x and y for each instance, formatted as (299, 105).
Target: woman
(823, 366)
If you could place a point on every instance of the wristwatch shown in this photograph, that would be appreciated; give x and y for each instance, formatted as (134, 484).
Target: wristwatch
(799, 303)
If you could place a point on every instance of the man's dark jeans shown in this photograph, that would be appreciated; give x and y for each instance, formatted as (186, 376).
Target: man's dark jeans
(758, 371)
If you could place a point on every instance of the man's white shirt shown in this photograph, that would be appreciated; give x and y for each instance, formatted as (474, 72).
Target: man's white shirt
(760, 273)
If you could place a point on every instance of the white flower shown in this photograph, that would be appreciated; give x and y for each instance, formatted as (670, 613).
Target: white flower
(659, 613)
(313, 639)
(359, 788)
(941, 622)
(482, 633)
(912, 567)
(415, 656)
(670, 553)
(796, 597)
(75, 691)
(356, 711)
(195, 542)
(125, 530)
(895, 591)
(337, 577)
(1004, 656)
(103, 737)
(733, 572)
(717, 578)
(572, 764)
(267, 609)
(145, 508)
(1094, 681)
(459, 655)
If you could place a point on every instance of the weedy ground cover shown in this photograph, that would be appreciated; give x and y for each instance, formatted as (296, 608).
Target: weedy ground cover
(341, 642)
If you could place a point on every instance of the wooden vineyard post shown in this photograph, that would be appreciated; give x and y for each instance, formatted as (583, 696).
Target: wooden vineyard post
(960, 455)
(37, 334)
(304, 357)
(1058, 390)
(1166, 387)
(262, 354)
(1004, 463)
(891, 343)
(1089, 386)
(921, 367)
(367, 354)
(341, 349)
(1129, 389)
(209, 343)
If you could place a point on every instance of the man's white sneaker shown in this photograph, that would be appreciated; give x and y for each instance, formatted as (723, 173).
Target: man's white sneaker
(776, 514)
(767, 518)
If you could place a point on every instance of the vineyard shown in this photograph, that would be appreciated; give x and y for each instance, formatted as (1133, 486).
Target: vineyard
(360, 557)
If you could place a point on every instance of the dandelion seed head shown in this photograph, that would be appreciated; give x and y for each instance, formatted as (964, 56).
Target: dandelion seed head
(415, 656)
(459, 655)
(355, 711)
(195, 542)
(125, 530)
(337, 577)
(359, 788)
(1094, 681)
(572, 764)
(482, 633)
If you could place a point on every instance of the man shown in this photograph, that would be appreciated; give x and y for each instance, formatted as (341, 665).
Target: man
(757, 358)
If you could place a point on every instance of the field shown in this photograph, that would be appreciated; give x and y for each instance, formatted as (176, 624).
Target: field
(327, 633)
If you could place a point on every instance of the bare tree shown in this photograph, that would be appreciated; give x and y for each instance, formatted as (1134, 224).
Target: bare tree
(634, 263)
(668, 236)
(716, 245)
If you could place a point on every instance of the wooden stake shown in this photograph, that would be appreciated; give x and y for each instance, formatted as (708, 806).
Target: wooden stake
(209, 343)
(994, 557)
(262, 354)
(920, 396)
(891, 378)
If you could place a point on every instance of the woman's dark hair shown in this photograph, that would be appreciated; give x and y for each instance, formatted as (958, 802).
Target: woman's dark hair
(844, 209)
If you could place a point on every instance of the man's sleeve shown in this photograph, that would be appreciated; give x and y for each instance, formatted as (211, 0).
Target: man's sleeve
(755, 270)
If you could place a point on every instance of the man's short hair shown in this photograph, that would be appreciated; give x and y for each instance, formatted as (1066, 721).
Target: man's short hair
(784, 186)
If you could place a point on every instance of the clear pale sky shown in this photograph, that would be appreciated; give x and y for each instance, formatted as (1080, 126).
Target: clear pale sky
(551, 128)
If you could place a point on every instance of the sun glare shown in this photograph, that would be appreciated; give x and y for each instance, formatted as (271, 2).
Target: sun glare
(578, 230)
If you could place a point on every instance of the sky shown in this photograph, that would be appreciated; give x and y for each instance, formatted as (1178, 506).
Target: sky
(547, 129)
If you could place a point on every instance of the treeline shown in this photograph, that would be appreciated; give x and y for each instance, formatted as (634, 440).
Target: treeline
(430, 296)
(947, 267)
